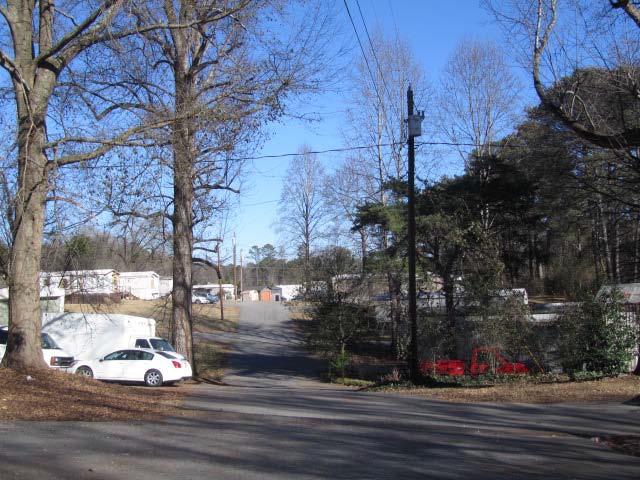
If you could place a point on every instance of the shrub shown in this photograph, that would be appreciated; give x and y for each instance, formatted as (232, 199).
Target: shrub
(597, 337)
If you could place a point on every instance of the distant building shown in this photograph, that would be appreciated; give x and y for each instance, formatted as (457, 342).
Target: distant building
(142, 285)
(227, 289)
(265, 295)
(276, 294)
(250, 296)
(82, 281)
(165, 286)
(289, 292)
(630, 292)
(51, 301)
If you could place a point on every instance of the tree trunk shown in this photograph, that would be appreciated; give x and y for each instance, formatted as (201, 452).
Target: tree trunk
(363, 249)
(450, 309)
(606, 240)
(24, 345)
(24, 349)
(182, 219)
(636, 246)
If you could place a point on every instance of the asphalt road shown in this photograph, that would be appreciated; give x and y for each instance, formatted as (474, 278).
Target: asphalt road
(275, 420)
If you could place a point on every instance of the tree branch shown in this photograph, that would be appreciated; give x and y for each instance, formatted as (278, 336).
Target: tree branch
(203, 261)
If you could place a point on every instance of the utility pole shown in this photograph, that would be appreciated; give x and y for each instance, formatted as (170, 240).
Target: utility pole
(221, 289)
(235, 281)
(241, 276)
(415, 130)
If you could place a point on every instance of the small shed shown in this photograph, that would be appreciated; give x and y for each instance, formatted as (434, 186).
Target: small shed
(276, 294)
(265, 295)
(250, 296)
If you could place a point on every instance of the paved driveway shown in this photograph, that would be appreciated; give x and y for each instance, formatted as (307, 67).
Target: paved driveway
(275, 421)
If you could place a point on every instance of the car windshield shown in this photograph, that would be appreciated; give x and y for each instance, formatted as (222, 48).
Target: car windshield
(161, 344)
(166, 355)
(3, 337)
(48, 342)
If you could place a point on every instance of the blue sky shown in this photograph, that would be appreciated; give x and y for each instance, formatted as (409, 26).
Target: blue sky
(431, 27)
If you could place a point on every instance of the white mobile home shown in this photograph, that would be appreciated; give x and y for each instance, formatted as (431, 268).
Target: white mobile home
(165, 286)
(51, 301)
(142, 285)
(100, 282)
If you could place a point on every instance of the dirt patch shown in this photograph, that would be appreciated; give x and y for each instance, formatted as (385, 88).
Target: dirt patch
(51, 395)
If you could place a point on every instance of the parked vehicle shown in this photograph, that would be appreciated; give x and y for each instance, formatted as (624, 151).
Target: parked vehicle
(53, 355)
(161, 345)
(135, 365)
(199, 298)
(483, 360)
(213, 298)
(91, 336)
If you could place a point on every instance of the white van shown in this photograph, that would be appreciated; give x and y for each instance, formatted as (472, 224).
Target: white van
(89, 336)
(53, 355)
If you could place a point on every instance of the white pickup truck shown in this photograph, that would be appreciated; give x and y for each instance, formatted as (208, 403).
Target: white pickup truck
(53, 355)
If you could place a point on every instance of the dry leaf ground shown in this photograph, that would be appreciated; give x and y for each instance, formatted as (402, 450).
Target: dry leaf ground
(58, 396)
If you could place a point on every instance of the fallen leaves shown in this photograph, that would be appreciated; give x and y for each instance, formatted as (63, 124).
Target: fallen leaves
(58, 396)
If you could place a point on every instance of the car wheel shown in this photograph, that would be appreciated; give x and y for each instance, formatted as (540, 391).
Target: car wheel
(84, 371)
(197, 301)
(153, 378)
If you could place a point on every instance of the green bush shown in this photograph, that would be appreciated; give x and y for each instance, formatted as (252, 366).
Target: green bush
(597, 337)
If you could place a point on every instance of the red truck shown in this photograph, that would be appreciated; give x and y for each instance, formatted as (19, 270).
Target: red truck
(483, 360)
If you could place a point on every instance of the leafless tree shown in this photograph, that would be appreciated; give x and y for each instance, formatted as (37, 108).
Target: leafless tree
(303, 215)
(583, 57)
(477, 106)
(478, 99)
(216, 84)
(377, 110)
(45, 52)
(347, 189)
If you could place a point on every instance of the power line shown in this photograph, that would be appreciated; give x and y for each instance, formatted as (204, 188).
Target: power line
(373, 51)
(364, 55)
(314, 152)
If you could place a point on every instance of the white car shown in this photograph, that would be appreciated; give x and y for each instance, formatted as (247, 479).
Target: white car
(53, 355)
(197, 298)
(161, 345)
(133, 365)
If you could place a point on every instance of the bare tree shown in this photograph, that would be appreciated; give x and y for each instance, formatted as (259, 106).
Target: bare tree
(41, 44)
(478, 98)
(302, 205)
(476, 107)
(565, 46)
(347, 189)
(216, 84)
(377, 112)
